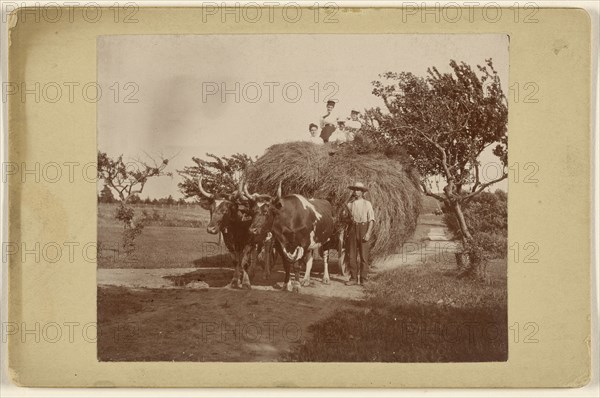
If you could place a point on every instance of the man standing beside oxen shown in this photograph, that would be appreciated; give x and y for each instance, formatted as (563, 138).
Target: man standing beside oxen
(359, 234)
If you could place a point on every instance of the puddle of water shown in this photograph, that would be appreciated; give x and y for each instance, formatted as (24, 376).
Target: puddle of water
(214, 277)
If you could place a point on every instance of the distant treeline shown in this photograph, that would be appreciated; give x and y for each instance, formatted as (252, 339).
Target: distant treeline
(106, 196)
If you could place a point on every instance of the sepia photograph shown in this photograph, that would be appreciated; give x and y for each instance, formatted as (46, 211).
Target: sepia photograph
(304, 198)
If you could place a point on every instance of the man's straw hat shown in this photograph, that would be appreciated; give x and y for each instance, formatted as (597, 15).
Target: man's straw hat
(358, 186)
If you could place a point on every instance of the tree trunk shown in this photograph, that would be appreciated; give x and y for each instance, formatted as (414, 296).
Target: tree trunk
(461, 222)
(469, 264)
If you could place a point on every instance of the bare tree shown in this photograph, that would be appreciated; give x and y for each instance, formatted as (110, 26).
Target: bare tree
(127, 180)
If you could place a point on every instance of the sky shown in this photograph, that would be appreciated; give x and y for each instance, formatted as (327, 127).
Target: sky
(188, 95)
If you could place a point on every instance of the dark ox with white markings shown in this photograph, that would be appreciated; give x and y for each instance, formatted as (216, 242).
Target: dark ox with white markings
(299, 226)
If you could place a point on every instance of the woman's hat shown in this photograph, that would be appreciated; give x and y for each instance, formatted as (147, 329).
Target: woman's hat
(358, 186)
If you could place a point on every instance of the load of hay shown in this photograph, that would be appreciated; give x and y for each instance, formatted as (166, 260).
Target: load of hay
(326, 171)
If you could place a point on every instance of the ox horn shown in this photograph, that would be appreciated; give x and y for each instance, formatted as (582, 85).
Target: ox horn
(202, 191)
(251, 196)
(279, 190)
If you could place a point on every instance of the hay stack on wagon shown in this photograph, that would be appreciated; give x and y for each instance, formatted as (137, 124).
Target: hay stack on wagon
(309, 169)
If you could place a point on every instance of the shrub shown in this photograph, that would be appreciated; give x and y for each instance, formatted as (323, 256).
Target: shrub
(487, 218)
(124, 214)
(131, 229)
(129, 236)
(156, 215)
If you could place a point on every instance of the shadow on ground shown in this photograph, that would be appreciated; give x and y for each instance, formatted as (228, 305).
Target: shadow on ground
(217, 271)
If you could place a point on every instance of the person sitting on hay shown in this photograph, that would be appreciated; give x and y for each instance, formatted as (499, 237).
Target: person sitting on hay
(313, 130)
(359, 234)
(351, 126)
(329, 122)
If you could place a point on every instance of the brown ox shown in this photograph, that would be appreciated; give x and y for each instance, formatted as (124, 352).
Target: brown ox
(263, 241)
(227, 218)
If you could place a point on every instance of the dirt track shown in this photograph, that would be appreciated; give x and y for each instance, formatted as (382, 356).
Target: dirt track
(205, 325)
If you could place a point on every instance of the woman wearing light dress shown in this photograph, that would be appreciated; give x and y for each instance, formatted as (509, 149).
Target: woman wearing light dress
(313, 137)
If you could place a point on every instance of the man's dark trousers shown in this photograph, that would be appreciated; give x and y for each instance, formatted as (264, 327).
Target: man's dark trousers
(356, 246)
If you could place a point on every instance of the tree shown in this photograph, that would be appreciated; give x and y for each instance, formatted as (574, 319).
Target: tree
(220, 174)
(445, 121)
(106, 195)
(127, 180)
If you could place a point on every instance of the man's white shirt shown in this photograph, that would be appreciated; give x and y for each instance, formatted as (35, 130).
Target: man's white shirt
(332, 118)
(361, 210)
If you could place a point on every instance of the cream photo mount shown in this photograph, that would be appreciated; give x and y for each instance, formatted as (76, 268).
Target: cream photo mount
(552, 49)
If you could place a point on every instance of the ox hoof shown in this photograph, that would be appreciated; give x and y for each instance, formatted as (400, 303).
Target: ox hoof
(246, 286)
(326, 281)
(235, 284)
(305, 282)
(296, 288)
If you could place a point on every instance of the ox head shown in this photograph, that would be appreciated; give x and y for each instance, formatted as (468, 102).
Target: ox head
(263, 209)
(223, 211)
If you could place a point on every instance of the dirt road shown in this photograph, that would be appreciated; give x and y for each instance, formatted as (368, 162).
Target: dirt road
(205, 325)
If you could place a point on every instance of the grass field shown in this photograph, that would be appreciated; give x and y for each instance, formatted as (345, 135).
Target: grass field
(162, 247)
(177, 238)
(191, 216)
